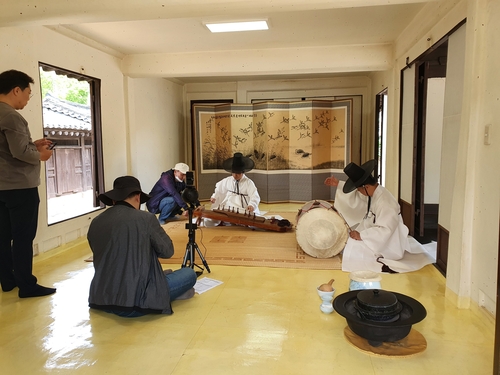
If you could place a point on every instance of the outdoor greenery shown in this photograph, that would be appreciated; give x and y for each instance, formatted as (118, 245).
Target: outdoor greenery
(63, 87)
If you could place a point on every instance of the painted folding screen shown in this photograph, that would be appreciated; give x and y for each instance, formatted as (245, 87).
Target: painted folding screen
(295, 146)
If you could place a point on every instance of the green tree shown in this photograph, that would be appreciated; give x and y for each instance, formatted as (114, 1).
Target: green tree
(63, 87)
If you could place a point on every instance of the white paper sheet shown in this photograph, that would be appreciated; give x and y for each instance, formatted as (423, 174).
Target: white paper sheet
(205, 284)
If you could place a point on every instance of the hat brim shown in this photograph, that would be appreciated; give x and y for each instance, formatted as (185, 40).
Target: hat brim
(119, 195)
(351, 185)
(247, 166)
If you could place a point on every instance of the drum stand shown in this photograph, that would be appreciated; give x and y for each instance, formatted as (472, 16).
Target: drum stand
(191, 247)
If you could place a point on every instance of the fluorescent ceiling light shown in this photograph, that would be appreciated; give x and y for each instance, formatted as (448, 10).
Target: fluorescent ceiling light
(237, 26)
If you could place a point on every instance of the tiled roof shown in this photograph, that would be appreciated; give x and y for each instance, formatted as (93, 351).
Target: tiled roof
(64, 115)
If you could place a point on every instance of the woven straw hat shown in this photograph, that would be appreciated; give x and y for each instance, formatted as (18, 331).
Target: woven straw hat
(320, 231)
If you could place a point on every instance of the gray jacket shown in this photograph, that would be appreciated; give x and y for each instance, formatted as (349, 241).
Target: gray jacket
(19, 157)
(126, 244)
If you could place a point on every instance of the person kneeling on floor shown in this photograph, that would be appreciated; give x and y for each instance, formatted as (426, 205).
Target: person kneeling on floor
(126, 243)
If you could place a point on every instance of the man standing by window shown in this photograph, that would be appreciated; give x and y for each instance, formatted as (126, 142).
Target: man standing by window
(19, 179)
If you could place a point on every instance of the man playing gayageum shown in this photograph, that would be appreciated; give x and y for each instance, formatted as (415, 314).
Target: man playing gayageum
(237, 191)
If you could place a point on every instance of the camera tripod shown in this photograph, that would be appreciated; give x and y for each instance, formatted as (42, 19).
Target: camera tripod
(191, 247)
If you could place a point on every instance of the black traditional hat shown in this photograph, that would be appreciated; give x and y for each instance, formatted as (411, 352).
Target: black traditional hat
(238, 164)
(358, 175)
(122, 188)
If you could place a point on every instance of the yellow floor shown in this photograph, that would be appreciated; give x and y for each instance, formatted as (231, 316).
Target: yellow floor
(259, 321)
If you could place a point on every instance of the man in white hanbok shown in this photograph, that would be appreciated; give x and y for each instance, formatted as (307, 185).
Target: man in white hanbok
(236, 192)
(379, 239)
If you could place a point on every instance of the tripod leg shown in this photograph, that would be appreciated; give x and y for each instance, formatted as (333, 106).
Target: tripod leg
(188, 256)
(203, 260)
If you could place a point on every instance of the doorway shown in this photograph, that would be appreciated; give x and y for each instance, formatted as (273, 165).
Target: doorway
(429, 106)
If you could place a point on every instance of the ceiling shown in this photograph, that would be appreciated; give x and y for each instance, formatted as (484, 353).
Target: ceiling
(130, 27)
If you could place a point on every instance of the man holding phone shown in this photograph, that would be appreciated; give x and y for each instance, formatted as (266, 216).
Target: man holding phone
(19, 179)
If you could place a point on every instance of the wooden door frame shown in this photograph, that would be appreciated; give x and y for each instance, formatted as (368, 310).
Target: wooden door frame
(496, 348)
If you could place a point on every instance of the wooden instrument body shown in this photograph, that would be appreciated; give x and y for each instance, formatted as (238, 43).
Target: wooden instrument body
(245, 219)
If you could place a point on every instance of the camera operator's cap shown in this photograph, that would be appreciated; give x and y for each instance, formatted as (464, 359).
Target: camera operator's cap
(122, 188)
(238, 164)
(181, 167)
(357, 175)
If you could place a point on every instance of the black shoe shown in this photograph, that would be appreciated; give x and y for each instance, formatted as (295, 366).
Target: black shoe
(36, 291)
(7, 287)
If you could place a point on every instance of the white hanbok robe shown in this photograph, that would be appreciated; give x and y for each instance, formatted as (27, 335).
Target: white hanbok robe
(226, 195)
(382, 231)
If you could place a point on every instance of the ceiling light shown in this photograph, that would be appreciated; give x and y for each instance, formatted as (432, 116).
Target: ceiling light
(237, 26)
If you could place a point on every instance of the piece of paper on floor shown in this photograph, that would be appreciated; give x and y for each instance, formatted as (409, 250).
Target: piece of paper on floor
(205, 284)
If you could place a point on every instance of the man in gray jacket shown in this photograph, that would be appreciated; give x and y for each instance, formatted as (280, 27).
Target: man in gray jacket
(126, 243)
(20, 158)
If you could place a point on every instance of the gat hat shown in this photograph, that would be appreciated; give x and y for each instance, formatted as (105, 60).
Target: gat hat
(181, 167)
(321, 232)
(122, 188)
(238, 164)
(357, 175)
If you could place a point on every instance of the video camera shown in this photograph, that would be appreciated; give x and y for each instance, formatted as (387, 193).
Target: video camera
(190, 194)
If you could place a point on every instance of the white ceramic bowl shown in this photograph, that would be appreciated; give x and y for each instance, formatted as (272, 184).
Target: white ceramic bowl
(364, 280)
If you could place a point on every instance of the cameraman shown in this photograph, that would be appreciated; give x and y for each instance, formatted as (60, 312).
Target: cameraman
(126, 244)
(166, 198)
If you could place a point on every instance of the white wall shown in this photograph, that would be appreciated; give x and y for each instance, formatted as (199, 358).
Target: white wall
(474, 250)
(131, 144)
(433, 139)
(469, 178)
(452, 117)
(156, 128)
(485, 109)
(22, 49)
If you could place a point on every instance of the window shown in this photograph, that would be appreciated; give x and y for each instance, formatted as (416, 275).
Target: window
(72, 119)
(380, 134)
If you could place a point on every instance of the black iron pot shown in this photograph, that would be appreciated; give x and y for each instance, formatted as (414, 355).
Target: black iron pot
(377, 332)
(378, 305)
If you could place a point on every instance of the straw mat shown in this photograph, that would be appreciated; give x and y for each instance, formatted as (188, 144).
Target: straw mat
(242, 246)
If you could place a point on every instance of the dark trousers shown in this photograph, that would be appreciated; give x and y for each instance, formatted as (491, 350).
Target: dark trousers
(18, 225)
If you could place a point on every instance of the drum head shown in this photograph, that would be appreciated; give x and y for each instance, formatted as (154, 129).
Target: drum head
(321, 233)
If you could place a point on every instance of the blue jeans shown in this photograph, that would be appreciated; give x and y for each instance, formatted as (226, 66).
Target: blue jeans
(168, 208)
(179, 282)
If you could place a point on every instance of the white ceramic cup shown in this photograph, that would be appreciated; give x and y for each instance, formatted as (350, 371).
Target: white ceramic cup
(326, 298)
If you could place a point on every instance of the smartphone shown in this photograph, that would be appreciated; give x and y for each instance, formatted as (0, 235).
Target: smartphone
(52, 145)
